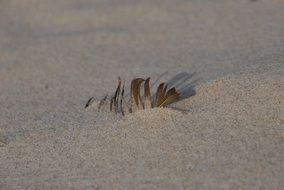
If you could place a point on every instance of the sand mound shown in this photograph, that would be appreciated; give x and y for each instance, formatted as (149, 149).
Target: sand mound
(231, 137)
(54, 55)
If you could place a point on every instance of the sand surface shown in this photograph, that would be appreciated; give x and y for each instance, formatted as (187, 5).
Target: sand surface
(55, 55)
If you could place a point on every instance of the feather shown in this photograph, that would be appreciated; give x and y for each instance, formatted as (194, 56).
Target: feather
(160, 96)
(135, 94)
(163, 97)
(114, 99)
(111, 103)
(122, 94)
(102, 102)
(116, 95)
(171, 96)
(165, 90)
(147, 94)
(123, 105)
(89, 102)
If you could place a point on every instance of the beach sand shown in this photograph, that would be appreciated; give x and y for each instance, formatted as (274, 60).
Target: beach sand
(54, 56)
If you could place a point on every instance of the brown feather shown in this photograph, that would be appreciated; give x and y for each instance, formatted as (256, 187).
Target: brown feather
(101, 103)
(164, 96)
(147, 94)
(165, 90)
(122, 94)
(123, 105)
(135, 94)
(116, 96)
(160, 96)
(111, 103)
(89, 102)
(171, 97)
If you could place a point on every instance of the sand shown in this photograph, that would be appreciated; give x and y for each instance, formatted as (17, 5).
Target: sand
(54, 56)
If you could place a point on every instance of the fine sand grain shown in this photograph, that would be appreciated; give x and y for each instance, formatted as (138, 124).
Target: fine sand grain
(232, 137)
(55, 55)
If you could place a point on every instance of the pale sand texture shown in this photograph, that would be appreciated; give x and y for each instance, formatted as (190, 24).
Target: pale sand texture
(54, 55)
(233, 137)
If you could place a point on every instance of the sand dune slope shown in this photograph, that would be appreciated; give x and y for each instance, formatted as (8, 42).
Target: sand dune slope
(232, 137)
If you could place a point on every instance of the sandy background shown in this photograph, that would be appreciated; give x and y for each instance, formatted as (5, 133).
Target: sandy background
(55, 55)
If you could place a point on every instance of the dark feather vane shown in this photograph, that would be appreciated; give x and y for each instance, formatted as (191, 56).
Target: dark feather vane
(118, 104)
